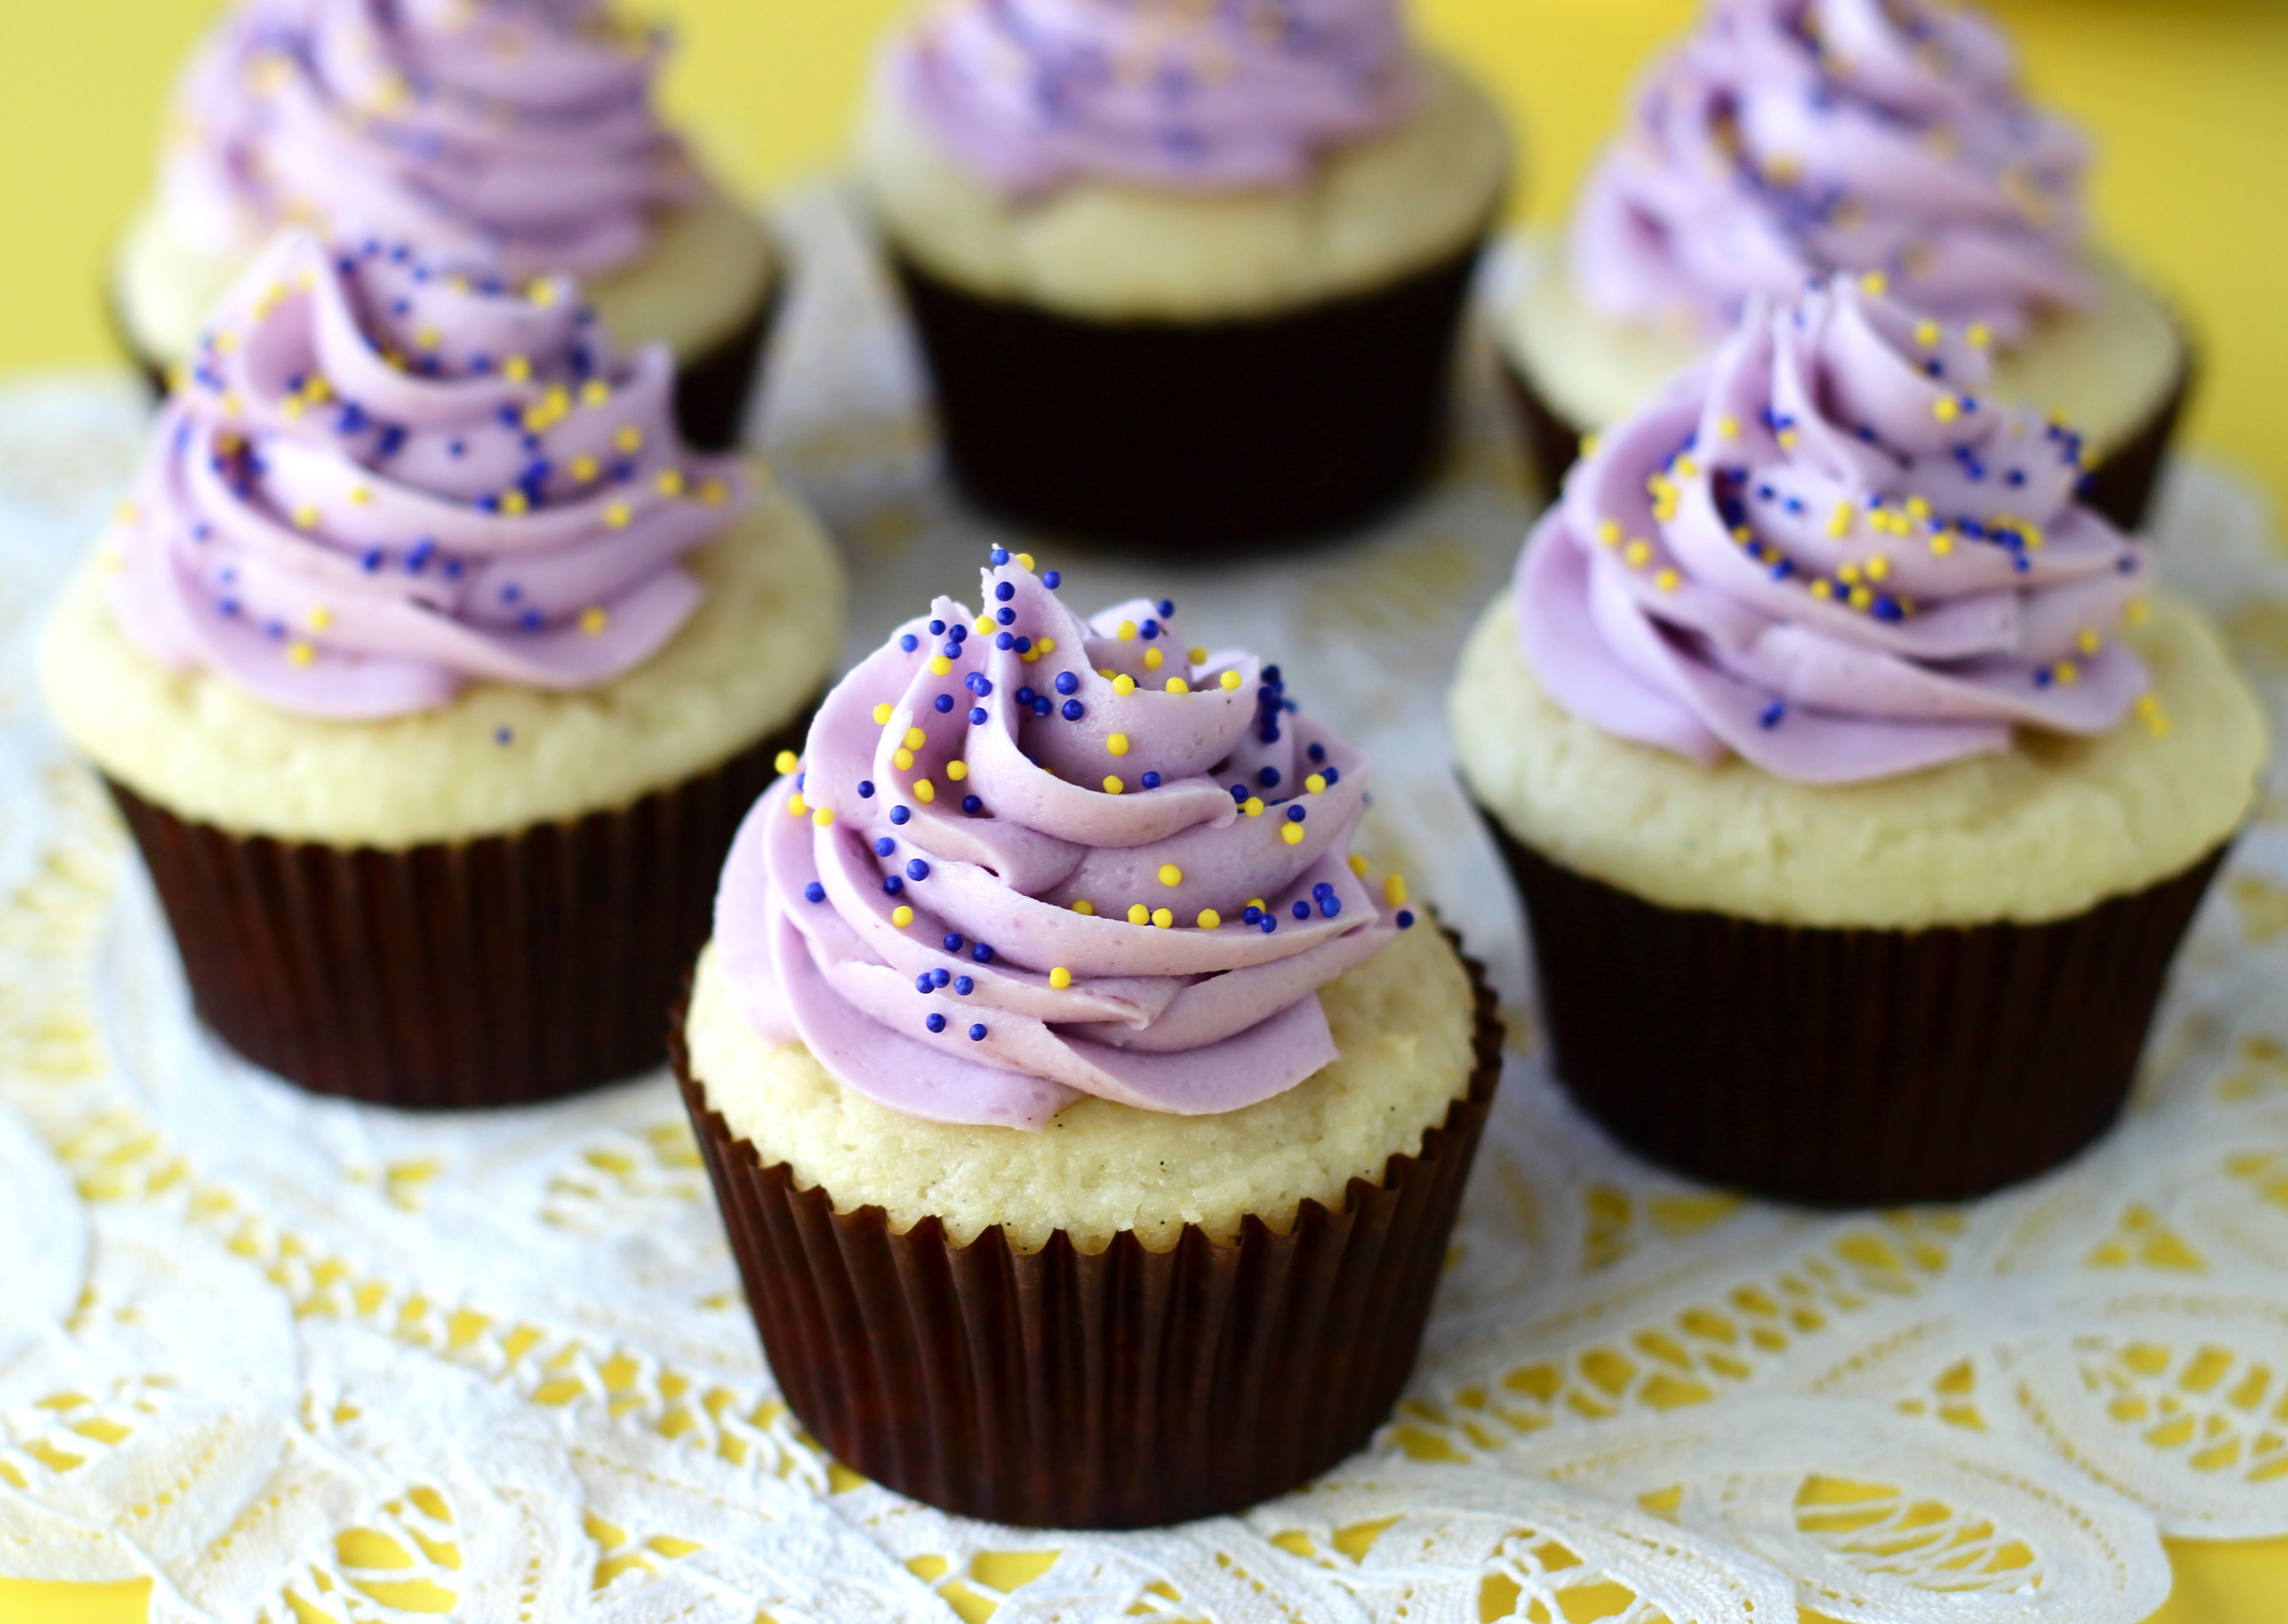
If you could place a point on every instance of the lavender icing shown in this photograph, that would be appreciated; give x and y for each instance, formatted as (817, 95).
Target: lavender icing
(524, 128)
(1028, 858)
(387, 476)
(1787, 139)
(1230, 95)
(1825, 550)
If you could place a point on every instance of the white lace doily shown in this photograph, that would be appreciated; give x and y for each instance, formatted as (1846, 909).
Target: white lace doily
(295, 1361)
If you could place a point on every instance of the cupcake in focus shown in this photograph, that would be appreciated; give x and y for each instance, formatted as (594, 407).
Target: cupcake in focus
(1786, 139)
(1182, 279)
(432, 675)
(1088, 1129)
(1858, 786)
(522, 131)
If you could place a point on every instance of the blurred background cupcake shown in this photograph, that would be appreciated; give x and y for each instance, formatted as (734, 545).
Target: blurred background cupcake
(432, 675)
(1786, 138)
(1185, 278)
(522, 130)
(1088, 1129)
(1857, 786)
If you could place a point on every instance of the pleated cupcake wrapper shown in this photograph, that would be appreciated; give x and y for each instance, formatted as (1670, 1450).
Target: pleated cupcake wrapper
(1120, 1388)
(1848, 1067)
(712, 389)
(1194, 437)
(2121, 487)
(477, 973)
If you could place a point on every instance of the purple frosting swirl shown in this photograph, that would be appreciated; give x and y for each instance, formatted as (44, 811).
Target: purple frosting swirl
(1823, 550)
(524, 128)
(385, 476)
(1029, 858)
(1217, 97)
(1788, 139)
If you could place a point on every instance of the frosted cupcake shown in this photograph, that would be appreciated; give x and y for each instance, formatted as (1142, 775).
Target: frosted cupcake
(1788, 139)
(1088, 1130)
(522, 131)
(432, 675)
(1184, 277)
(1858, 786)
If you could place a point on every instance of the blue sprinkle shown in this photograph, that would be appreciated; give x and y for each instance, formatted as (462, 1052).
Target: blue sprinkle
(1074, 710)
(982, 953)
(530, 619)
(1771, 714)
(924, 985)
(1271, 675)
(2042, 676)
(964, 985)
(1053, 580)
(957, 633)
(884, 847)
(1026, 696)
(1330, 906)
(910, 642)
(1250, 914)
(1167, 607)
(976, 716)
(503, 735)
(977, 1034)
(937, 628)
(2126, 564)
(1316, 752)
(950, 649)
(899, 814)
(1239, 795)
(2016, 476)
(865, 788)
(1301, 910)
(1040, 705)
(977, 683)
(1003, 640)
(1151, 780)
(1024, 645)
(936, 1023)
(939, 977)
(952, 937)
(1266, 924)
(801, 782)
(1323, 889)
(917, 869)
(1002, 590)
(1150, 629)
(999, 556)
(1333, 777)
(1268, 778)
(1886, 608)
(372, 559)
(892, 884)
(1296, 814)
(971, 804)
(1405, 919)
(1067, 683)
(1007, 617)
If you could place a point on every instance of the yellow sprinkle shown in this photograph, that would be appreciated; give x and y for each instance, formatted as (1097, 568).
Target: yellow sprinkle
(1047, 645)
(1728, 426)
(902, 759)
(2089, 642)
(1942, 543)
(1154, 659)
(1085, 908)
(902, 915)
(629, 439)
(1861, 597)
(1032, 655)
(595, 391)
(1209, 919)
(2135, 611)
(1117, 744)
(1138, 914)
(1978, 335)
(797, 807)
(1316, 783)
(1257, 903)
(2067, 673)
(925, 791)
(1946, 409)
(940, 666)
(1170, 874)
(1822, 589)
(956, 769)
(824, 816)
(2156, 720)
(593, 620)
(516, 368)
(714, 493)
(1125, 630)
(786, 761)
(583, 468)
(321, 618)
(1024, 559)
(1848, 575)
(1177, 684)
(881, 715)
(1358, 865)
(127, 512)
(1875, 282)
(301, 653)
(1394, 888)
(669, 482)
(361, 495)
(1061, 978)
(1112, 785)
(1666, 581)
(1789, 439)
(1253, 807)
(1927, 333)
(984, 627)
(1198, 655)
(617, 515)
(1686, 469)
(1637, 554)
(542, 293)
(916, 738)
(1879, 567)
(1839, 522)
(291, 408)
(1230, 680)
(1588, 445)
(1291, 832)
(513, 502)
(1124, 685)
(306, 517)
(428, 338)
(1106, 673)
(1917, 508)
(1608, 533)
(1162, 918)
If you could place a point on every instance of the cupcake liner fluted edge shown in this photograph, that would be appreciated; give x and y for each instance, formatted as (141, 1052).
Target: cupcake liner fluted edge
(484, 972)
(1844, 1067)
(1119, 1389)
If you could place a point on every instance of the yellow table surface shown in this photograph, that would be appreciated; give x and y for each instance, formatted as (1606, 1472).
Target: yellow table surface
(2189, 100)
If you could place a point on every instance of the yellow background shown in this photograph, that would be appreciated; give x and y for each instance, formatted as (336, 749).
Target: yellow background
(2189, 100)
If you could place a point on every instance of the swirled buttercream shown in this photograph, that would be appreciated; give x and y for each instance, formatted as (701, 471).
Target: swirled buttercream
(522, 129)
(1238, 94)
(385, 477)
(1028, 858)
(1825, 550)
(1788, 139)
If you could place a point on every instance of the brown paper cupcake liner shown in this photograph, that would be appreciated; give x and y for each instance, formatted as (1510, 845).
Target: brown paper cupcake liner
(2121, 487)
(477, 973)
(712, 389)
(1846, 1066)
(1121, 1389)
(1194, 437)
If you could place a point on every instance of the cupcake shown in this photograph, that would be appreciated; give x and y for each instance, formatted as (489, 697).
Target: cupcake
(1088, 1132)
(1789, 138)
(1857, 785)
(522, 130)
(433, 676)
(1186, 278)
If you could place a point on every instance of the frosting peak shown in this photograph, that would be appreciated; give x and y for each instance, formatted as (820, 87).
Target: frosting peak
(1823, 550)
(1787, 139)
(1218, 97)
(522, 129)
(1029, 857)
(385, 477)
